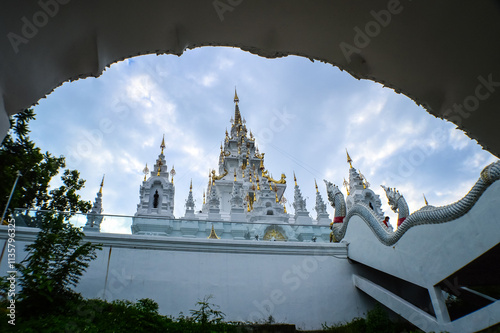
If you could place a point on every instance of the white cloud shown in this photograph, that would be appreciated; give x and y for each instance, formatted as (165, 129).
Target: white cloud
(208, 80)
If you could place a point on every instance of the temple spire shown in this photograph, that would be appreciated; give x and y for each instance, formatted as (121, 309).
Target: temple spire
(349, 160)
(162, 146)
(145, 171)
(316, 185)
(346, 184)
(425, 200)
(102, 184)
(236, 99)
(237, 115)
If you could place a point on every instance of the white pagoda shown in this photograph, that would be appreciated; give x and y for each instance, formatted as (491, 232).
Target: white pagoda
(241, 193)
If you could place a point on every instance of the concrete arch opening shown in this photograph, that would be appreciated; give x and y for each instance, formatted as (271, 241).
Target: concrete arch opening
(439, 63)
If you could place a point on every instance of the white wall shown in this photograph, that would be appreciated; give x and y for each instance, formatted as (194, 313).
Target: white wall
(306, 284)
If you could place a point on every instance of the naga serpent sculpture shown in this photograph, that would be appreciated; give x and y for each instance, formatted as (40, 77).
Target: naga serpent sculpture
(425, 215)
(398, 203)
(337, 201)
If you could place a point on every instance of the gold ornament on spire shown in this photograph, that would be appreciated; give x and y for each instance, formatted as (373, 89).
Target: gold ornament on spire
(159, 168)
(162, 146)
(234, 174)
(172, 172)
(294, 178)
(145, 171)
(366, 184)
(203, 197)
(349, 160)
(346, 184)
(316, 185)
(102, 184)
(236, 99)
(425, 200)
(191, 185)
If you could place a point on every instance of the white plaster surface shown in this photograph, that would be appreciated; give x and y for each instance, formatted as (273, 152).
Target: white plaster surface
(304, 284)
(426, 254)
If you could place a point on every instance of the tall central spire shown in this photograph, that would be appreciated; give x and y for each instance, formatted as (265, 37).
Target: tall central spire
(237, 115)
(162, 146)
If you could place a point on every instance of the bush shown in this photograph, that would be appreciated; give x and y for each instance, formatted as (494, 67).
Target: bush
(377, 321)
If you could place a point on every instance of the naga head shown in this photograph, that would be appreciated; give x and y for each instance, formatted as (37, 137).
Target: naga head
(393, 196)
(332, 190)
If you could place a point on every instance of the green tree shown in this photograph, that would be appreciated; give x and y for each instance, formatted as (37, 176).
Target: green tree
(18, 152)
(208, 313)
(54, 264)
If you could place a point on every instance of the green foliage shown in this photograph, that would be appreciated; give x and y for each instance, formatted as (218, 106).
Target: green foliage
(19, 153)
(55, 263)
(208, 313)
(377, 320)
(99, 316)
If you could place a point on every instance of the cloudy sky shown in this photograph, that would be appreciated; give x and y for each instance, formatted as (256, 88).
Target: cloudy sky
(304, 115)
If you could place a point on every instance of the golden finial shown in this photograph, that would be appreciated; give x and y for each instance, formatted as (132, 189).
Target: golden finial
(159, 168)
(203, 197)
(191, 185)
(250, 175)
(102, 184)
(316, 185)
(294, 178)
(209, 181)
(425, 200)
(213, 235)
(227, 134)
(236, 99)
(284, 207)
(346, 184)
(349, 160)
(221, 147)
(145, 171)
(162, 146)
(172, 172)
(234, 174)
